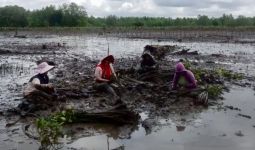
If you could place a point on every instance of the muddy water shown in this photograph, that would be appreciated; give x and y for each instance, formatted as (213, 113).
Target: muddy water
(14, 71)
(210, 129)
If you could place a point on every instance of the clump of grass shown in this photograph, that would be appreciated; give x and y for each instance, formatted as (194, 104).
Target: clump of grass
(215, 74)
(186, 63)
(227, 74)
(214, 91)
(208, 77)
(50, 128)
(199, 74)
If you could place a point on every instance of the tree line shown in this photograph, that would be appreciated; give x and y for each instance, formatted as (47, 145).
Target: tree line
(73, 15)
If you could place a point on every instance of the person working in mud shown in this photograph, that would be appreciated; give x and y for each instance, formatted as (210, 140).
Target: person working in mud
(185, 81)
(38, 90)
(147, 64)
(104, 75)
(183, 78)
(148, 70)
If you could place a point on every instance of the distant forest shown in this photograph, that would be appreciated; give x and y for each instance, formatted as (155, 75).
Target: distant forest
(73, 15)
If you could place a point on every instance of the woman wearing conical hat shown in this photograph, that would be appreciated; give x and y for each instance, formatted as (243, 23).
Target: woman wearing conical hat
(38, 89)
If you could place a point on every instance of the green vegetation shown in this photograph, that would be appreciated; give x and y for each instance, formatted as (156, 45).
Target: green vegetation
(187, 64)
(218, 73)
(67, 15)
(50, 129)
(13, 16)
(214, 91)
(73, 15)
(227, 74)
(199, 74)
(212, 80)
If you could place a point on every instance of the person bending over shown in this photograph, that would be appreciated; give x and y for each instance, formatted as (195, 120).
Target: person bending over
(38, 90)
(183, 78)
(104, 72)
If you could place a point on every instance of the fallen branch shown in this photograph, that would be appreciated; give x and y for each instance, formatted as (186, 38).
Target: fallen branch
(134, 80)
(118, 115)
(245, 116)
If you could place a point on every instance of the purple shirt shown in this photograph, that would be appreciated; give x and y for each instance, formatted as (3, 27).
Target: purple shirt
(189, 77)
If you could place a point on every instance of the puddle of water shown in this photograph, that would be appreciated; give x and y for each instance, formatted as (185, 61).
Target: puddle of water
(96, 142)
(211, 130)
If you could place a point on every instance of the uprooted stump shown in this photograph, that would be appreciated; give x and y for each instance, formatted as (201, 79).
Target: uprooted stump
(160, 51)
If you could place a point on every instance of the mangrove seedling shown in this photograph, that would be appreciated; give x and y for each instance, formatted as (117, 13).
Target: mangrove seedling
(214, 91)
(50, 128)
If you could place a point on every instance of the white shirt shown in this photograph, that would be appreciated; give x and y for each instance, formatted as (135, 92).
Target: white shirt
(29, 88)
(98, 73)
(36, 81)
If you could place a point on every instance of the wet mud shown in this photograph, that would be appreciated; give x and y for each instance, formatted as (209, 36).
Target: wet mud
(159, 108)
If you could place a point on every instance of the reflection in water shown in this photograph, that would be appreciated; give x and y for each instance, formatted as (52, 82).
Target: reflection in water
(99, 136)
(211, 129)
(100, 142)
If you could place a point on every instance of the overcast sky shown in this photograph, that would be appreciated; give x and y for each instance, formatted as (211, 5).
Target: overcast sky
(164, 8)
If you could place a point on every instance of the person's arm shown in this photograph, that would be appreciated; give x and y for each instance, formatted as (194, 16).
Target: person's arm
(35, 81)
(192, 82)
(175, 81)
(113, 71)
(154, 63)
(98, 75)
(43, 87)
(141, 63)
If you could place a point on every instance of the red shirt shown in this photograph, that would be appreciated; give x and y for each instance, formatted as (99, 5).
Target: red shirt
(106, 70)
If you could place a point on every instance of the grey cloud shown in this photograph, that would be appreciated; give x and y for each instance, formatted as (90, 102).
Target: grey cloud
(33, 4)
(202, 3)
(178, 3)
(118, 0)
(165, 8)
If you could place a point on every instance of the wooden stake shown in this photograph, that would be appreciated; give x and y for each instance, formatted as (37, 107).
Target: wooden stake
(108, 50)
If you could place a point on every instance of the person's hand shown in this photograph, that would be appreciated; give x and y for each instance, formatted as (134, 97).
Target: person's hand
(113, 79)
(173, 87)
(51, 88)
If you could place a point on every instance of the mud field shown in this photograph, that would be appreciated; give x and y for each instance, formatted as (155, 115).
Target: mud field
(164, 122)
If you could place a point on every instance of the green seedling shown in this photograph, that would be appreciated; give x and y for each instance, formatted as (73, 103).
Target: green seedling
(50, 128)
(214, 91)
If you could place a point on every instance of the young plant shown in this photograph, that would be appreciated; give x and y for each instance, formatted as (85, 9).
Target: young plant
(227, 74)
(214, 91)
(50, 129)
(187, 63)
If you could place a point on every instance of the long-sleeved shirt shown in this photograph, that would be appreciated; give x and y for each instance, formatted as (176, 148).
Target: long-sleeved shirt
(188, 76)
